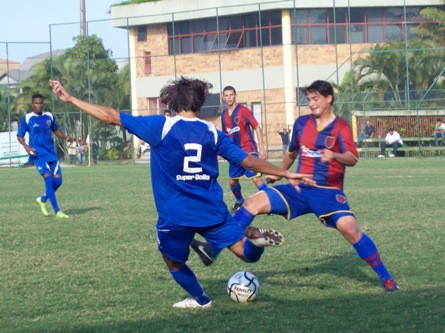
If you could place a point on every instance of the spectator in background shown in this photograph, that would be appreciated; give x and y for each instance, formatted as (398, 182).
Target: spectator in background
(284, 133)
(94, 151)
(393, 140)
(82, 148)
(72, 151)
(367, 133)
(439, 130)
(167, 113)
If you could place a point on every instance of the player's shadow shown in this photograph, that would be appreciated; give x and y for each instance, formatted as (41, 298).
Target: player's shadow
(81, 211)
(346, 265)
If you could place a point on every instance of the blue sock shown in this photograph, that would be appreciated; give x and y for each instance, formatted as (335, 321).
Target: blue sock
(252, 252)
(244, 217)
(236, 190)
(367, 250)
(49, 186)
(187, 280)
(262, 186)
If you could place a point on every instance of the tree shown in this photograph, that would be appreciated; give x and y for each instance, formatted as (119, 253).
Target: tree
(435, 30)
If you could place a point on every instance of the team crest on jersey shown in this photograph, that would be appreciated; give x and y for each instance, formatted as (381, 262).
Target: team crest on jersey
(48, 122)
(236, 120)
(329, 142)
(340, 198)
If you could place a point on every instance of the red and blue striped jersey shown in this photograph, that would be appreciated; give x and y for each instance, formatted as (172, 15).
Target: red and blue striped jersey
(238, 126)
(307, 140)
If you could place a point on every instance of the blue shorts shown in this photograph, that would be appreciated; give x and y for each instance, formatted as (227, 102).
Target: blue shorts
(174, 240)
(238, 171)
(51, 167)
(328, 204)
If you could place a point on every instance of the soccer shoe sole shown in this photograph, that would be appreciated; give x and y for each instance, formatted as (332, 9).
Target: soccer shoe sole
(264, 237)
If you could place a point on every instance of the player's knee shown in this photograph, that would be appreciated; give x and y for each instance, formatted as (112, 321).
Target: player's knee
(257, 203)
(348, 227)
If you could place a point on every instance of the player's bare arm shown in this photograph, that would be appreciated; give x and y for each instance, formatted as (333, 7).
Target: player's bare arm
(346, 158)
(29, 150)
(103, 113)
(259, 165)
(59, 134)
(261, 147)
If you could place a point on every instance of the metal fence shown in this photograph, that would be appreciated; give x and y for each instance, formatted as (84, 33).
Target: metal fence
(380, 69)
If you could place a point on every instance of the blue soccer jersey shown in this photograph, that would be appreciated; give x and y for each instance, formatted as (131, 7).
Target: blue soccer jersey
(184, 166)
(40, 129)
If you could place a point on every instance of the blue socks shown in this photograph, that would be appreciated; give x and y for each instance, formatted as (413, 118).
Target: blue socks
(236, 190)
(187, 280)
(252, 252)
(243, 217)
(50, 191)
(367, 250)
(262, 187)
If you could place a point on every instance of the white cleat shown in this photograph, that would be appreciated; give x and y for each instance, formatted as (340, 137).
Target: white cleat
(191, 303)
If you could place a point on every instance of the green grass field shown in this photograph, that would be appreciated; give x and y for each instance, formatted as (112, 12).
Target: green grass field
(100, 271)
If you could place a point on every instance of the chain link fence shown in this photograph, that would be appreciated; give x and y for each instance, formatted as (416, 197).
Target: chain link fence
(381, 70)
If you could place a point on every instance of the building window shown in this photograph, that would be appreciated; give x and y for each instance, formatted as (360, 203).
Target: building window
(234, 32)
(358, 25)
(155, 106)
(142, 33)
(147, 63)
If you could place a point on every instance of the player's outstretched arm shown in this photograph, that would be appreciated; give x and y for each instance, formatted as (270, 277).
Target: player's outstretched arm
(103, 113)
(256, 164)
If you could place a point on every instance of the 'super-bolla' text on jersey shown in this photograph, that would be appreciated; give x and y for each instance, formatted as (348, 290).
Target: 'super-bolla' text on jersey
(184, 166)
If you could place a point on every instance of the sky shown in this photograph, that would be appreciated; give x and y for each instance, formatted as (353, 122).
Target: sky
(26, 24)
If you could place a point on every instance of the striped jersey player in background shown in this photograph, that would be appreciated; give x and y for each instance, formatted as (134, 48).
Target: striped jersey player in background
(237, 122)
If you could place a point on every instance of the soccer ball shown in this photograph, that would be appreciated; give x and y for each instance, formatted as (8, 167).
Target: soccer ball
(243, 287)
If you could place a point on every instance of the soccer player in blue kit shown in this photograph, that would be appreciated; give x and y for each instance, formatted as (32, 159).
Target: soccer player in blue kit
(184, 168)
(324, 145)
(40, 125)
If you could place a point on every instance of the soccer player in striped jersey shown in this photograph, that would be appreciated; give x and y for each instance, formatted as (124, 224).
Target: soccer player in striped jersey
(40, 125)
(237, 122)
(184, 168)
(324, 146)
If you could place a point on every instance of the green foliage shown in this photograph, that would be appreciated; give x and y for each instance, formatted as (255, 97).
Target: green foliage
(100, 271)
(436, 30)
(134, 2)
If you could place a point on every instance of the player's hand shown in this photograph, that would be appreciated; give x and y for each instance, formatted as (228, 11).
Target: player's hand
(270, 179)
(60, 91)
(326, 155)
(31, 151)
(263, 154)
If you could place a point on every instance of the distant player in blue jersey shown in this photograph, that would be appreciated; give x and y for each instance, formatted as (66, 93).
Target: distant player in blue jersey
(40, 125)
(324, 145)
(184, 168)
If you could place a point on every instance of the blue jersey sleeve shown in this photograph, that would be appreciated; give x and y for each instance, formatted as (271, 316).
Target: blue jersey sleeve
(146, 128)
(228, 150)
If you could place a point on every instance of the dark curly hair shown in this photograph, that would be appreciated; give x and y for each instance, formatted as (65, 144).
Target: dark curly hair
(185, 94)
(324, 88)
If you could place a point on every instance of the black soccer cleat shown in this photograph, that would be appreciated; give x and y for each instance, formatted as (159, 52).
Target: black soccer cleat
(235, 207)
(203, 251)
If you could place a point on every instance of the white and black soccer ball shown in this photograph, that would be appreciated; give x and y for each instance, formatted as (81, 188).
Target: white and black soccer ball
(243, 287)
